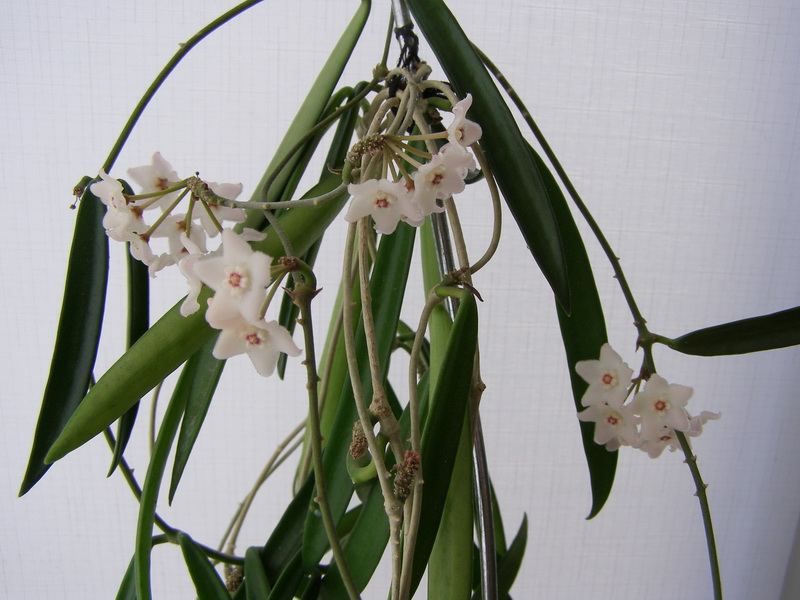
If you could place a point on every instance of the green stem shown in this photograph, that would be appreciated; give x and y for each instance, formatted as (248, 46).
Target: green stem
(184, 49)
(303, 294)
(691, 461)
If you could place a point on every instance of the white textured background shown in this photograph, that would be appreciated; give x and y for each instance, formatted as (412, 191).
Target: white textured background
(678, 122)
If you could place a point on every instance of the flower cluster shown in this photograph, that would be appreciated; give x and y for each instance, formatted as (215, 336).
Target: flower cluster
(411, 197)
(162, 189)
(239, 276)
(649, 421)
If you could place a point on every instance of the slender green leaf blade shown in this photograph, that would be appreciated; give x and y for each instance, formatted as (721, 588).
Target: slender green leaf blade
(448, 405)
(138, 324)
(512, 561)
(506, 149)
(767, 332)
(78, 332)
(202, 373)
(583, 331)
(207, 582)
(255, 577)
(152, 483)
(127, 587)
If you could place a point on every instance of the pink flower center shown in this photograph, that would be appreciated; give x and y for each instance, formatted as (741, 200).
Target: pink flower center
(660, 405)
(237, 280)
(665, 438)
(162, 184)
(253, 339)
(382, 200)
(612, 419)
(609, 379)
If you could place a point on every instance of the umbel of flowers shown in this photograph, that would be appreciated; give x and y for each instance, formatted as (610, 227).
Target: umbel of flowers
(397, 182)
(649, 421)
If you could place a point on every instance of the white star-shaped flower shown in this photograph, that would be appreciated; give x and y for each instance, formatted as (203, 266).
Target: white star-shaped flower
(156, 177)
(608, 378)
(389, 202)
(239, 277)
(661, 404)
(262, 341)
(441, 177)
(462, 131)
(615, 426)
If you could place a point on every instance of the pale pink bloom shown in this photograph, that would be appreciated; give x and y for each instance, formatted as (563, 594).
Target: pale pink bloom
(156, 177)
(262, 341)
(229, 191)
(122, 221)
(389, 202)
(186, 265)
(608, 378)
(239, 277)
(661, 404)
(441, 177)
(669, 439)
(615, 426)
(174, 229)
(462, 131)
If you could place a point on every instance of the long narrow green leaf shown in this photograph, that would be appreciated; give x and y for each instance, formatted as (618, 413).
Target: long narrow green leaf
(202, 372)
(78, 332)
(207, 582)
(767, 332)
(512, 561)
(152, 482)
(170, 341)
(255, 577)
(583, 331)
(127, 587)
(513, 167)
(138, 324)
(439, 446)
(310, 111)
(289, 581)
(387, 286)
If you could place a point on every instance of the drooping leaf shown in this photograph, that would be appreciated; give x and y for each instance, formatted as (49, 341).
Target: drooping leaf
(78, 332)
(512, 561)
(516, 174)
(583, 331)
(767, 332)
(202, 373)
(207, 582)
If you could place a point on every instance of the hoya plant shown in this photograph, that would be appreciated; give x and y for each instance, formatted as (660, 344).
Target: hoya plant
(390, 459)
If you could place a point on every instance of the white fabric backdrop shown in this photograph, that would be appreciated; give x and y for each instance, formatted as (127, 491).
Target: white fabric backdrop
(678, 122)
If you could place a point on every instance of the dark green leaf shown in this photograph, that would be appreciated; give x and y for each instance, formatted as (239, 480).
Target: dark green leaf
(127, 587)
(448, 405)
(767, 332)
(289, 581)
(512, 165)
(152, 483)
(202, 373)
(255, 577)
(78, 332)
(583, 331)
(512, 561)
(207, 582)
(138, 323)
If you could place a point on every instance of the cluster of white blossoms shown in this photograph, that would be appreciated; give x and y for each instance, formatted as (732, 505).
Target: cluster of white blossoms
(239, 276)
(411, 197)
(649, 421)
